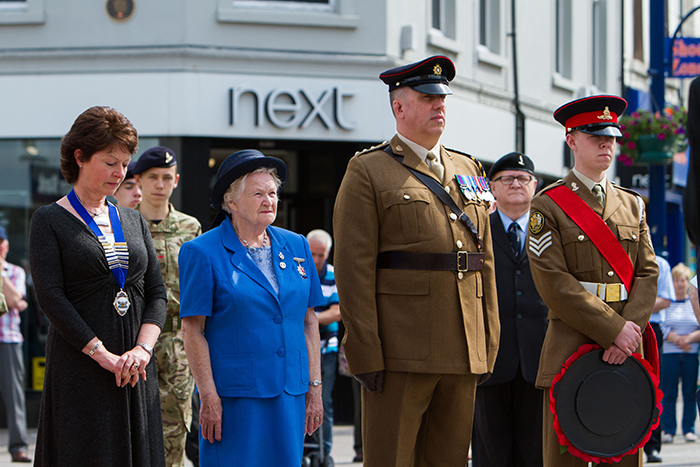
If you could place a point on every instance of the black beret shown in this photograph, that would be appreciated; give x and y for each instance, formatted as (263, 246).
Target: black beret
(234, 167)
(159, 156)
(595, 115)
(429, 76)
(512, 161)
(130, 171)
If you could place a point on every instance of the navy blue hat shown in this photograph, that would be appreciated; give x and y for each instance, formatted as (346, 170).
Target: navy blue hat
(595, 115)
(512, 161)
(130, 171)
(3, 233)
(234, 167)
(429, 76)
(159, 156)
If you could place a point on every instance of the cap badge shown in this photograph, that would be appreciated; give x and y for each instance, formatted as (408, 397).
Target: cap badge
(606, 114)
(520, 160)
(168, 157)
(437, 70)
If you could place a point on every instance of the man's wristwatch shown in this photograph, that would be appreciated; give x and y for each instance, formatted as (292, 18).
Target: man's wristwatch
(146, 347)
(315, 383)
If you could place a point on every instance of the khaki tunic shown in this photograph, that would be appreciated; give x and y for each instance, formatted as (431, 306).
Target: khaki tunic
(561, 255)
(409, 320)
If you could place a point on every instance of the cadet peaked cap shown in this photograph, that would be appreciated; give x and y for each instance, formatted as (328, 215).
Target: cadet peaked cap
(429, 76)
(3, 233)
(512, 161)
(595, 115)
(159, 156)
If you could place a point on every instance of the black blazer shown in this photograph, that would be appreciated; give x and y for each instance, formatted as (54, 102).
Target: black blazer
(522, 312)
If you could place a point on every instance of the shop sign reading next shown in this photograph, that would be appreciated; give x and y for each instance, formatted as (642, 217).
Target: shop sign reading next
(289, 108)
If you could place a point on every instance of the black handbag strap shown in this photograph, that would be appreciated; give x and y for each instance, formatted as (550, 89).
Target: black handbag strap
(440, 192)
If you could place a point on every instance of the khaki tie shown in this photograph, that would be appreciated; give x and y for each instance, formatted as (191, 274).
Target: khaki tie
(599, 194)
(436, 166)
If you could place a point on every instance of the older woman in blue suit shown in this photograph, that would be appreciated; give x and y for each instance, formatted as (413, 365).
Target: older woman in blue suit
(251, 335)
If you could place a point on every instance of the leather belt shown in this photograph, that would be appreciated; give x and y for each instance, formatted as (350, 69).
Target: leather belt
(457, 261)
(607, 292)
(172, 323)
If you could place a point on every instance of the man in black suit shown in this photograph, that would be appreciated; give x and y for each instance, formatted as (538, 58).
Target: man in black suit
(508, 411)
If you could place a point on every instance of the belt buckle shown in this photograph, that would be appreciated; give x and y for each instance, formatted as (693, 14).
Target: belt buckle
(612, 292)
(466, 261)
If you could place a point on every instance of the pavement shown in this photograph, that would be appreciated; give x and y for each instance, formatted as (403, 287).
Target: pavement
(677, 454)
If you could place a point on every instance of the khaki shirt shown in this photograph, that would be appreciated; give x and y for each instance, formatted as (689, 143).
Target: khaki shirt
(168, 236)
(561, 256)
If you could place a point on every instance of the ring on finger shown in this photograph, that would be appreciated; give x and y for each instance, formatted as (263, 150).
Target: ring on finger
(135, 365)
(316, 419)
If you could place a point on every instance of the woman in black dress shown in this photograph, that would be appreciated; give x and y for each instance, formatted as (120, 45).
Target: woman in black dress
(98, 281)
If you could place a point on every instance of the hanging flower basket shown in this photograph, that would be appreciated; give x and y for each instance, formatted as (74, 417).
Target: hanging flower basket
(652, 138)
(653, 150)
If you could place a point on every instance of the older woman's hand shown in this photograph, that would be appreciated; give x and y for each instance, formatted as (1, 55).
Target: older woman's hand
(314, 409)
(210, 414)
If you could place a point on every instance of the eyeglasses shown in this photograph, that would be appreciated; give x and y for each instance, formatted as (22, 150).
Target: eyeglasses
(508, 179)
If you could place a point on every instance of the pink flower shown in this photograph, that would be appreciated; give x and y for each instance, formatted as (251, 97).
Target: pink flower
(661, 136)
(631, 145)
(626, 135)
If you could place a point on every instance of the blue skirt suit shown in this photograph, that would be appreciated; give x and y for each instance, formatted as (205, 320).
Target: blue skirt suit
(256, 341)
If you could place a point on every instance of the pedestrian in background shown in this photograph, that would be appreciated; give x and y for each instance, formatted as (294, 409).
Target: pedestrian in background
(328, 314)
(680, 359)
(11, 356)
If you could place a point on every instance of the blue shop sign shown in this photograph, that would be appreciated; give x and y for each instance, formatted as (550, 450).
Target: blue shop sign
(685, 59)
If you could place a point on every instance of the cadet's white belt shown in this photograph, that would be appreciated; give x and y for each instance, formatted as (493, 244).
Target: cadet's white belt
(606, 292)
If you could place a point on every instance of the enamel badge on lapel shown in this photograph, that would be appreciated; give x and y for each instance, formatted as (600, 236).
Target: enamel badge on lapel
(474, 188)
(300, 268)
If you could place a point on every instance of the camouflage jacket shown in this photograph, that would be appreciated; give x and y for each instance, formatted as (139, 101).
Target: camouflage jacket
(168, 236)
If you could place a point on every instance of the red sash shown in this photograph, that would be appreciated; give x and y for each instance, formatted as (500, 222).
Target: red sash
(597, 230)
(608, 245)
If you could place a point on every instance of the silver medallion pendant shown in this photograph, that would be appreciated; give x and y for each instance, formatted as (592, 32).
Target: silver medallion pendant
(121, 303)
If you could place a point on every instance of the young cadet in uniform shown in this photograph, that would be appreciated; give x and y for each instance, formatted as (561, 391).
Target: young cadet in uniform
(128, 195)
(156, 174)
(508, 410)
(588, 300)
(416, 280)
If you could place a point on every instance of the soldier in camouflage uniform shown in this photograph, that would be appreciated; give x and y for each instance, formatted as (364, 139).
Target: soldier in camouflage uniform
(156, 173)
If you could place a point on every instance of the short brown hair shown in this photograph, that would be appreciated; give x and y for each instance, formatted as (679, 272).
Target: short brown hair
(96, 129)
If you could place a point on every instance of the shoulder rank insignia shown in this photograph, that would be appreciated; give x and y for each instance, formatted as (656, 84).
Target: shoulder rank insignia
(536, 222)
(373, 148)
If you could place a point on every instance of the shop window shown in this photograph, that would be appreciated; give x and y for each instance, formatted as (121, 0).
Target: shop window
(562, 44)
(319, 13)
(21, 11)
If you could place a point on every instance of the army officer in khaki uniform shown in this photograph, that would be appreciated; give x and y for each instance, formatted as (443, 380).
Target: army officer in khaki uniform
(416, 284)
(586, 298)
